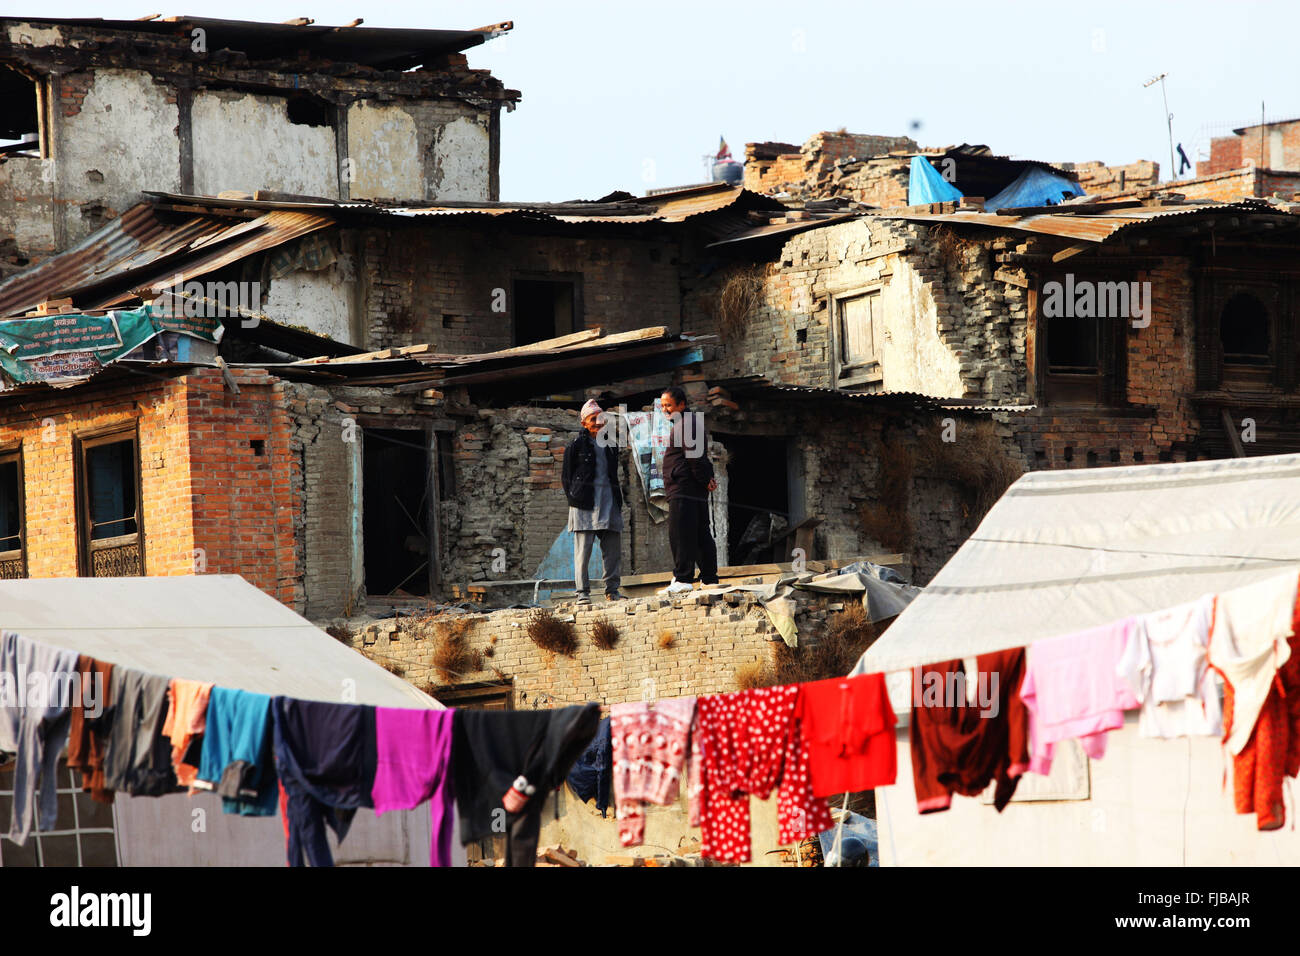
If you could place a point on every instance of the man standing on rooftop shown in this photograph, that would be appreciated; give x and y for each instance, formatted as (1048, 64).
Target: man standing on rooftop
(590, 479)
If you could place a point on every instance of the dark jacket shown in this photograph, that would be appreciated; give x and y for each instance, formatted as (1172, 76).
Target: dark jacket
(490, 748)
(686, 476)
(579, 473)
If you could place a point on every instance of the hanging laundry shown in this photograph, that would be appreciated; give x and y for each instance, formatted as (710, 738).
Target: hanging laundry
(187, 710)
(138, 760)
(750, 742)
(649, 742)
(962, 741)
(88, 727)
(849, 724)
(1272, 751)
(236, 758)
(414, 765)
(35, 680)
(325, 755)
(1165, 665)
(1248, 643)
(1072, 691)
(593, 770)
(504, 763)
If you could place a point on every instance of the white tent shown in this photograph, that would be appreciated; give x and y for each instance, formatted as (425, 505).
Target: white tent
(222, 629)
(1062, 551)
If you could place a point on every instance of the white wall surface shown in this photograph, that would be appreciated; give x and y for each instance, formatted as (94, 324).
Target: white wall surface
(245, 141)
(1153, 803)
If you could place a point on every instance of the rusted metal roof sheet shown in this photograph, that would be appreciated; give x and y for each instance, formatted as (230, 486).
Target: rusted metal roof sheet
(673, 206)
(1092, 226)
(145, 248)
(139, 236)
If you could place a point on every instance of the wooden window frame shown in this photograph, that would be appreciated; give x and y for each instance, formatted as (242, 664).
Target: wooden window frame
(1279, 294)
(1108, 388)
(83, 442)
(859, 374)
(14, 451)
(574, 279)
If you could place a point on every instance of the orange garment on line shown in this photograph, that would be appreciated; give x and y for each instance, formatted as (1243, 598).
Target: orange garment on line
(187, 712)
(1273, 750)
(88, 729)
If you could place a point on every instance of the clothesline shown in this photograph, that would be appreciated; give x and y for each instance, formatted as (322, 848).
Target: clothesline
(317, 762)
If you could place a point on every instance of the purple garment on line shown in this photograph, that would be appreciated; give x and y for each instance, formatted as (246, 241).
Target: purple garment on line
(414, 748)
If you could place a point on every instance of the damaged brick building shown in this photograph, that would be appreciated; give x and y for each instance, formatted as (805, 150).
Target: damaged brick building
(103, 109)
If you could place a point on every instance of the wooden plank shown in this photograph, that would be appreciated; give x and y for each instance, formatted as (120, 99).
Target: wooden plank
(1073, 250)
(1234, 439)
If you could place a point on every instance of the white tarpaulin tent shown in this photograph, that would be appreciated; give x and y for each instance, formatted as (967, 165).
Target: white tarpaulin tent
(1066, 550)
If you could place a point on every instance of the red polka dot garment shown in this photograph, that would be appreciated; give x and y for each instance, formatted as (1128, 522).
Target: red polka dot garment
(749, 743)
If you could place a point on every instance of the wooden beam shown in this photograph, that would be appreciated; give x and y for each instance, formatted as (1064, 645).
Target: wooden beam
(1073, 250)
(1234, 439)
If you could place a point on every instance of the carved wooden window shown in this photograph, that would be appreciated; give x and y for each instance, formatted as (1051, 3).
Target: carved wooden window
(110, 532)
(13, 516)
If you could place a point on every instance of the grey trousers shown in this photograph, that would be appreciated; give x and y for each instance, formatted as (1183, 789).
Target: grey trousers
(35, 733)
(611, 548)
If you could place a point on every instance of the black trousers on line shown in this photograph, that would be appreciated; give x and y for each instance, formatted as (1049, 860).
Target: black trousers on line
(689, 537)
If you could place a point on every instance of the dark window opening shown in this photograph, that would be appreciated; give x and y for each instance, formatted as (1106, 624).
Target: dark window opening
(758, 500)
(20, 120)
(1073, 346)
(258, 445)
(1244, 331)
(544, 309)
(309, 111)
(108, 507)
(395, 513)
(12, 512)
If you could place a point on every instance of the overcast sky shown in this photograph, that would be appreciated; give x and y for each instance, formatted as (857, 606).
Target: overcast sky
(633, 95)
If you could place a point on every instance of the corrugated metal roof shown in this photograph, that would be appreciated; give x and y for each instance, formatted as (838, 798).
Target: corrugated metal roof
(673, 206)
(917, 399)
(381, 48)
(143, 248)
(1091, 226)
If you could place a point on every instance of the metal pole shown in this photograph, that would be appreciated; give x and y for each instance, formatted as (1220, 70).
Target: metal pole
(1169, 118)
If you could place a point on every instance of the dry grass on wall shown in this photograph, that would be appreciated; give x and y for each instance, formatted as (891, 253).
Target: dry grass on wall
(737, 301)
(888, 520)
(833, 653)
(452, 655)
(666, 640)
(551, 634)
(605, 635)
(977, 462)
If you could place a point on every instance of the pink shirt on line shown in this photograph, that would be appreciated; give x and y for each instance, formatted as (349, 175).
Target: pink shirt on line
(1072, 691)
(414, 765)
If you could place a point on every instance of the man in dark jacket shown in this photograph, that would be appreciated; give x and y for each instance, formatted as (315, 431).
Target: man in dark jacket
(590, 479)
(688, 479)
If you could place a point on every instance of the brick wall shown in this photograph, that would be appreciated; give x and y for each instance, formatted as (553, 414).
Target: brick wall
(770, 170)
(712, 636)
(439, 285)
(243, 480)
(202, 486)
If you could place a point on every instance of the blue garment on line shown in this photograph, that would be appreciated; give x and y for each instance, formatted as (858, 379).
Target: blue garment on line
(594, 770)
(237, 756)
(325, 755)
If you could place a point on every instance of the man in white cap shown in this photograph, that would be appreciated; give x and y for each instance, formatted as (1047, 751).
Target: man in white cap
(590, 479)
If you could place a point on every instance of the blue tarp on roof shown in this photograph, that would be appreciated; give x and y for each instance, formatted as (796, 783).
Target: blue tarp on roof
(925, 185)
(1034, 187)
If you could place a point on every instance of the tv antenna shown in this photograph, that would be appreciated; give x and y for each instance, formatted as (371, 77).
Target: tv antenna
(1169, 118)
